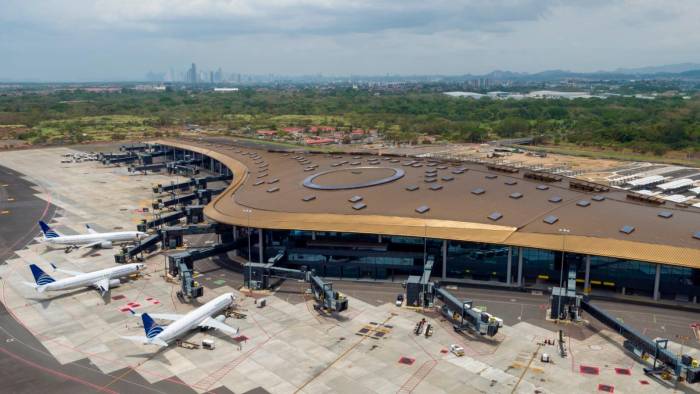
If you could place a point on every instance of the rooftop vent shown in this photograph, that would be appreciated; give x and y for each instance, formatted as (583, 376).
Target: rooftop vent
(478, 191)
(665, 214)
(355, 163)
(261, 175)
(587, 186)
(542, 187)
(412, 188)
(598, 197)
(447, 178)
(542, 176)
(511, 182)
(423, 209)
(491, 176)
(430, 180)
(308, 198)
(442, 167)
(495, 216)
(516, 195)
(355, 199)
(435, 187)
(555, 199)
(258, 183)
(458, 171)
(359, 205)
(502, 168)
(627, 229)
(416, 165)
(431, 164)
(273, 189)
(583, 203)
(271, 181)
(551, 219)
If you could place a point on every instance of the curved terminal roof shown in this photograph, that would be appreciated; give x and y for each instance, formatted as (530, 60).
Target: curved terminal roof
(446, 200)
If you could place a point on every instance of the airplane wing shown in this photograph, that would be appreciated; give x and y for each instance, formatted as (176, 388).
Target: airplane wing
(102, 285)
(90, 245)
(68, 272)
(161, 316)
(90, 229)
(213, 323)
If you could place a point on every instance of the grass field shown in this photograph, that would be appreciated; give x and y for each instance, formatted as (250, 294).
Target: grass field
(92, 128)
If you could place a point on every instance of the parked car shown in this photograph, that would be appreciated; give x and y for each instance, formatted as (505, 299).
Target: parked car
(457, 350)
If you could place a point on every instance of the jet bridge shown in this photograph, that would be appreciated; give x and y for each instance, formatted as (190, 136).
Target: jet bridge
(257, 276)
(566, 305)
(419, 289)
(181, 264)
(464, 316)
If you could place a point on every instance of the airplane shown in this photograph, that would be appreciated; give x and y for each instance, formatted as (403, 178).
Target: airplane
(102, 280)
(90, 240)
(200, 317)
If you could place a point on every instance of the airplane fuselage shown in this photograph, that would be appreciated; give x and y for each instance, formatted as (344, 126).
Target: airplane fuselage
(88, 279)
(85, 239)
(192, 319)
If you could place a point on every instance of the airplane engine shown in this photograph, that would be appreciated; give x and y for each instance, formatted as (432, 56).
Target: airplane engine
(114, 283)
(220, 318)
(106, 245)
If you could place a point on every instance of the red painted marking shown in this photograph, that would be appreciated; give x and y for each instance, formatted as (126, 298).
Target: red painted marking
(623, 371)
(606, 388)
(407, 360)
(443, 351)
(585, 369)
(124, 309)
(645, 382)
(156, 302)
(118, 297)
(149, 298)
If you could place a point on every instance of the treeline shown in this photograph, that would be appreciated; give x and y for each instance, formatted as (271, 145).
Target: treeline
(649, 126)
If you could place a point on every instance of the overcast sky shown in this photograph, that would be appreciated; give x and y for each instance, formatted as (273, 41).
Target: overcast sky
(124, 39)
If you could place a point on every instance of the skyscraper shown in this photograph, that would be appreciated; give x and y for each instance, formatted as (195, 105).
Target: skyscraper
(191, 76)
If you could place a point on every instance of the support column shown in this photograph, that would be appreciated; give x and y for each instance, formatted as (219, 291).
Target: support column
(260, 246)
(313, 235)
(444, 259)
(657, 281)
(508, 268)
(520, 267)
(587, 279)
(379, 238)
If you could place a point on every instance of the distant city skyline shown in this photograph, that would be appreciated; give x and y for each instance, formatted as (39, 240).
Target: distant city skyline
(83, 40)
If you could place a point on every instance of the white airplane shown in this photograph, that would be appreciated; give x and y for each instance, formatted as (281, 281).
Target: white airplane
(200, 317)
(89, 240)
(102, 280)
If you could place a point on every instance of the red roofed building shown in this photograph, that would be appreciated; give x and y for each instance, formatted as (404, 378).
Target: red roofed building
(266, 133)
(293, 130)
(319, 141)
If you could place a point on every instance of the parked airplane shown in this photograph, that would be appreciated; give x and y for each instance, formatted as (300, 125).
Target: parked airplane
(92, 239)
(200, 317)
(102, 280)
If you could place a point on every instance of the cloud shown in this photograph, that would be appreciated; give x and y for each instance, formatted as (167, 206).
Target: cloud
(94, 39)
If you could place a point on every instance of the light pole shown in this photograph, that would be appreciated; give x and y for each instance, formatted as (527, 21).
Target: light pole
(250, 268)
(564, 231)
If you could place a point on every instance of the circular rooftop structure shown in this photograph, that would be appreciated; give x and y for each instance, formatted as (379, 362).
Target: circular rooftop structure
(353, 178)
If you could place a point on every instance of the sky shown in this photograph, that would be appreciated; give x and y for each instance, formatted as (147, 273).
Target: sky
(96, 40)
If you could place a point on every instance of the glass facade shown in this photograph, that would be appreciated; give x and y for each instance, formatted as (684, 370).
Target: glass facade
(475, 261)
(371, 256)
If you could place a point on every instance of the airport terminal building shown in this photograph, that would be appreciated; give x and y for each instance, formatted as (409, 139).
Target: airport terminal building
(381, 217)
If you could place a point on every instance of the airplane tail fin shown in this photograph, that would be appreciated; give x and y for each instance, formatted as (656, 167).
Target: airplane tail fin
(41, 278)
(48, 231)
(152, 329)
